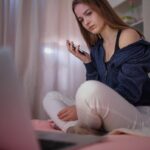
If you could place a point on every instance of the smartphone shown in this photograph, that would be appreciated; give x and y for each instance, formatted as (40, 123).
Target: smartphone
(81, 51)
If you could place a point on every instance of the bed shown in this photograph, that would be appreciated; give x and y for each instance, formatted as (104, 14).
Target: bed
(121, 139)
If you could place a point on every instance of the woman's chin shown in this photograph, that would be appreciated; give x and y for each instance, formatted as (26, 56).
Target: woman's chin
(94, 32)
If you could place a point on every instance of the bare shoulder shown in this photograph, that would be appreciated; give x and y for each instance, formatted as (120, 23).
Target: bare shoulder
(128, 36)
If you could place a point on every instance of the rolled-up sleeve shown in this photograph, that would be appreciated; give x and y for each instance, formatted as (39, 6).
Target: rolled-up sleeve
(91, 69)
(91, 72)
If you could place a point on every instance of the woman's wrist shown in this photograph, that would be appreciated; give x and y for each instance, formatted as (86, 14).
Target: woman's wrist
(87, 61)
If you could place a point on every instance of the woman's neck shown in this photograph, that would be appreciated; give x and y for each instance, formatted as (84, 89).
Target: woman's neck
(108, 34)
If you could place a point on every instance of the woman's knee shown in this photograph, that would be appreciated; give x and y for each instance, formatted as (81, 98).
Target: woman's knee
(87, 101)
(90, 89)
(50, 97)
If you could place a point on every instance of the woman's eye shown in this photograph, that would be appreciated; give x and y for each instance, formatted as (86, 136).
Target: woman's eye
(89, 13)
(81, 20)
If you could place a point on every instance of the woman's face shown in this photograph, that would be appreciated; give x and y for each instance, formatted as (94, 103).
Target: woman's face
(89, 18)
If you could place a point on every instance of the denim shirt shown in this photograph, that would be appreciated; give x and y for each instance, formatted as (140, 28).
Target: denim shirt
(126, 72)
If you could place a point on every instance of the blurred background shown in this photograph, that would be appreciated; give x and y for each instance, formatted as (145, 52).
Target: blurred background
(37, 30)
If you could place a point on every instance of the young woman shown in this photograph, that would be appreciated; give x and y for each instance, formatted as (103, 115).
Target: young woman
(117, 93)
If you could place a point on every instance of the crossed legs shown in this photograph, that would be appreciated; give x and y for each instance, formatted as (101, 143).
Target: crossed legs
(97, 105)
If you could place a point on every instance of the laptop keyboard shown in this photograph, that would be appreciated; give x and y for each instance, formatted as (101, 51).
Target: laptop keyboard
(54, 145)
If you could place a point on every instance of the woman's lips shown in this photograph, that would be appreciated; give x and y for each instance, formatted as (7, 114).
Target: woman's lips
(92, 27)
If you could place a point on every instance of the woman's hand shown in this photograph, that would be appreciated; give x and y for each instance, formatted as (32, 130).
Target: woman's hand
(68, 114)
(83, 56)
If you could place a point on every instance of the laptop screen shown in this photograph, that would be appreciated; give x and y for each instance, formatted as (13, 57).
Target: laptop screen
(16, 131)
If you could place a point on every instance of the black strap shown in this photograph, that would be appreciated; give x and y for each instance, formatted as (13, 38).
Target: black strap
(117, 40)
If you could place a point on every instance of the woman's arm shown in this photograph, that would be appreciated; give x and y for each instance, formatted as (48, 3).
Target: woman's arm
(91, 70)
(133, 72)
(131, 79)
(127, 37)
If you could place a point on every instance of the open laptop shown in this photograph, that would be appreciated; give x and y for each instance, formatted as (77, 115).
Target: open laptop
(16, 132)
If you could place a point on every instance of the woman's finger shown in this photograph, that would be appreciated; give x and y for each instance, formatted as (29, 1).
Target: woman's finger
(63, 111)
(67, 118)
(61, 116)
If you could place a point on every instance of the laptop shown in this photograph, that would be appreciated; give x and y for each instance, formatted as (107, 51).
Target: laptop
(16, 132)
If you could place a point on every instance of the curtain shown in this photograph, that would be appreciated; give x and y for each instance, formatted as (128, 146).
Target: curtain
(36, 31)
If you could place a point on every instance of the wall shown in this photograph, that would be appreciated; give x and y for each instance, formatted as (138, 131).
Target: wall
(146, 17)
(1, 25)
(114, 3)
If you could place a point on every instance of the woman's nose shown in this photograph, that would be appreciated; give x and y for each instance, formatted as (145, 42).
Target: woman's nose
(87, 22)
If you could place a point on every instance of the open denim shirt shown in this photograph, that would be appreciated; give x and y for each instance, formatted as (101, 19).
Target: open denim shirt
(126, 72)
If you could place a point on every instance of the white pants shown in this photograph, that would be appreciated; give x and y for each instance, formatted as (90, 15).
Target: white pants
(97, 105)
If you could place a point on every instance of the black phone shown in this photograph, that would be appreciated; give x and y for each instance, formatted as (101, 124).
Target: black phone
(81, 51)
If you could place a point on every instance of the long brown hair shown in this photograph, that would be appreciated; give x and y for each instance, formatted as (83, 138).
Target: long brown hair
(103, 8)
